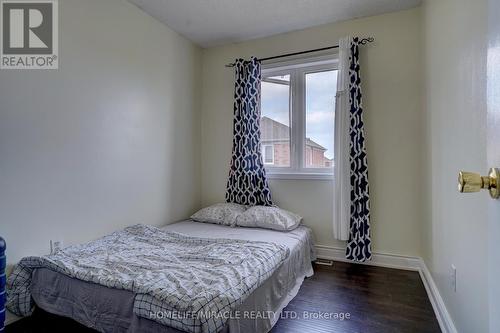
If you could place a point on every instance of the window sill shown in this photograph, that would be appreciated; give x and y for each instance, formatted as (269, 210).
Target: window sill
(304, 176)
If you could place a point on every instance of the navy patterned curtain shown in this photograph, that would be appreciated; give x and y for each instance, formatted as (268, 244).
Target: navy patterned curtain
(247, 183)
(359, 243)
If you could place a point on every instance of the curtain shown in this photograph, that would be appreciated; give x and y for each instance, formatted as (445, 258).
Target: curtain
(352, 198)
(247, 183)
(342, 182)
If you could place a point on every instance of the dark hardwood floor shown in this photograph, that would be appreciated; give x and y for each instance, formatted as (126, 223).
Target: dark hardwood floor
(376, 300)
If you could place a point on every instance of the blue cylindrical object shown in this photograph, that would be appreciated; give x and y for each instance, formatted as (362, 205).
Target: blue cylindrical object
(3, 279)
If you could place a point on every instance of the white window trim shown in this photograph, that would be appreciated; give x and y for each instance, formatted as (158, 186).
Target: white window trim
(299, 68)
(283, 175)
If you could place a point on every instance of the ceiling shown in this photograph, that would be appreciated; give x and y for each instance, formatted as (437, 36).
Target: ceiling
(217, 22)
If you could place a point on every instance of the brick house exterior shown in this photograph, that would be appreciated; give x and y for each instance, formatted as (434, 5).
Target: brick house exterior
(275, 141)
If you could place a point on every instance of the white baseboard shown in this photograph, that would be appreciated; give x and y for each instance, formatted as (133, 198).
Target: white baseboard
(442, 314)
(378, 259)
(400, 262)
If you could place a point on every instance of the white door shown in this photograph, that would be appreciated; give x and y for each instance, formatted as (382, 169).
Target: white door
(493, 153)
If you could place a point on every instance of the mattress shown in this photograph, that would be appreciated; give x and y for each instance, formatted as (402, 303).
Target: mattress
(111, 310)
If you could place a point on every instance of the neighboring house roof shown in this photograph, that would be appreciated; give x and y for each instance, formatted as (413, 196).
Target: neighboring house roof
(311, 143)
(274, 131)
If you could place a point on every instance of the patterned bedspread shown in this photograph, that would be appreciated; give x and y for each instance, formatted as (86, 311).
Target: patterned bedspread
(184, 282)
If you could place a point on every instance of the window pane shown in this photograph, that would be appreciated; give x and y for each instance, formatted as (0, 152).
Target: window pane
(275, 120)
(320, 116)
(268, 154)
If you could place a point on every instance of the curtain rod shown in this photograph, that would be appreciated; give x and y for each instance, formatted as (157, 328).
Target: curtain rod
(363, 41)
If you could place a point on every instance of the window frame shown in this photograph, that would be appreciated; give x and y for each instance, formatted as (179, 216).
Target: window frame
(297, 69)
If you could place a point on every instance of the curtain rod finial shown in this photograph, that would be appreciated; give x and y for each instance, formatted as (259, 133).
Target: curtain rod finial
(363, 41)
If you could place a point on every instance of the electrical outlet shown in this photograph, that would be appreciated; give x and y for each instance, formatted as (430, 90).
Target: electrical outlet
(453, 278)
(55, 246)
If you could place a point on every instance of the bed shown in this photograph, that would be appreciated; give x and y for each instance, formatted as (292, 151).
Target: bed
(111, 310)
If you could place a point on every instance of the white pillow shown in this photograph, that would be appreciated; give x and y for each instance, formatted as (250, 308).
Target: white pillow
(221, 213)
(269, 218)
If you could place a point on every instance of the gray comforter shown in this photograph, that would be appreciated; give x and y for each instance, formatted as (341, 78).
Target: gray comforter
(189, 283)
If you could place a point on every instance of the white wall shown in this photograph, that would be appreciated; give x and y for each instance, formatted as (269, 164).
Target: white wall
(455, 225)
(392, 98)
(109, 139)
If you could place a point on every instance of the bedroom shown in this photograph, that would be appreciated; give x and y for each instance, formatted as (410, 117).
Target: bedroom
(128, 128)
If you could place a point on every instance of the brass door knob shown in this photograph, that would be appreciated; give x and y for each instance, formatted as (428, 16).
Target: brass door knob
(469, 182)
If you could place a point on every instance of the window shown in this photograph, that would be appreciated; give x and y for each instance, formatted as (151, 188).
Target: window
(297, 118)
(275, 120)
(268, 154)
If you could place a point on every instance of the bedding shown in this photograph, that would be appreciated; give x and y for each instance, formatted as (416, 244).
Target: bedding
(111, 310)
(268, 217)
(167, 271)
(220, 213)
